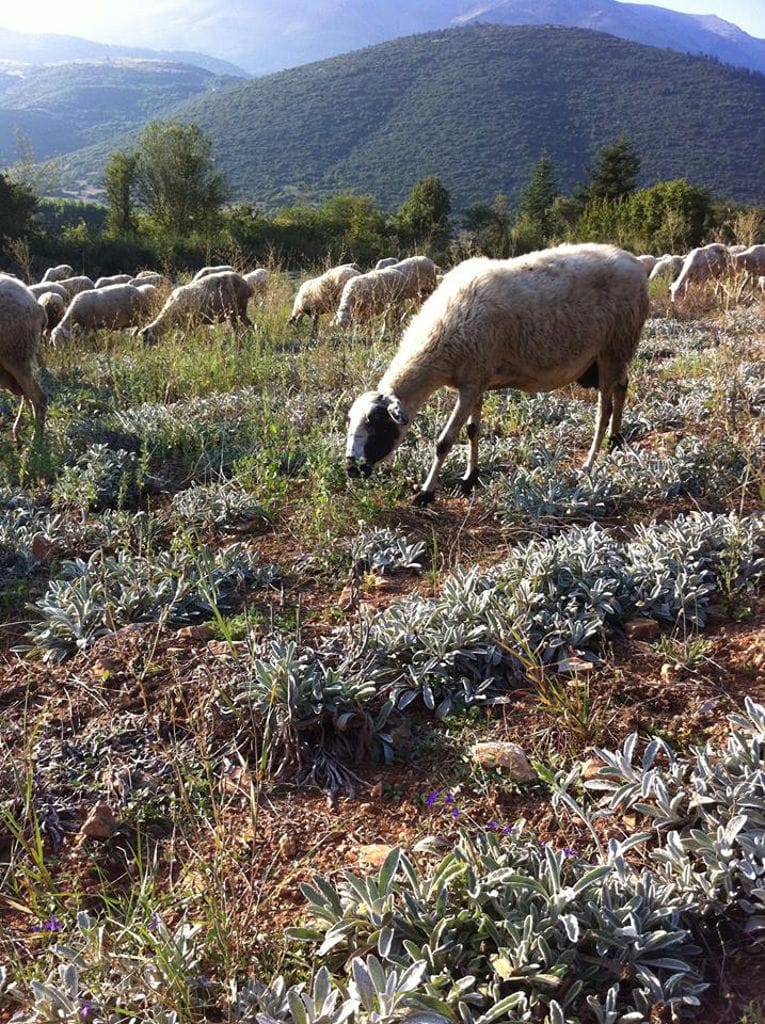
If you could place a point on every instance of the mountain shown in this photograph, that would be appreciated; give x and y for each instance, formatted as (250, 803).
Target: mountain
(61, 107)
(476, 106)
(47, 48)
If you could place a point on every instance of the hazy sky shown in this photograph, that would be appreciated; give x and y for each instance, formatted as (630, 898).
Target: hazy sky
(221, 29)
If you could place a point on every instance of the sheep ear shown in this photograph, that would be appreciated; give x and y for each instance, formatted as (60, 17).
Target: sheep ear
(396, 412)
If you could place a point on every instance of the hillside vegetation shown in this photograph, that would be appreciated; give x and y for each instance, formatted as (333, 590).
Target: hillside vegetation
(62, 107)
(477, 106)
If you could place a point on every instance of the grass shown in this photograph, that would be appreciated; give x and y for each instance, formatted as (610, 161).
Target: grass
(191, 887)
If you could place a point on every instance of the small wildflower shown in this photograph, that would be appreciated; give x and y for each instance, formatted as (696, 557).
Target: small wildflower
(154, 922)
(204, 981)
(51, 925)
(492, 826)
(449, 799)
(507, 830)
(568, 851)
(432, 798)
(456, 813)
(85, 1010)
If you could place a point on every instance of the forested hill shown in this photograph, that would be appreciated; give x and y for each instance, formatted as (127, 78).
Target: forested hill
(478, 106)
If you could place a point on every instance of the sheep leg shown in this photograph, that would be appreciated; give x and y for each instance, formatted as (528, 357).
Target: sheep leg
(314, 327)
(615, 436)
(33, 394)
(601, 420)
(470, 479)
(464, 407)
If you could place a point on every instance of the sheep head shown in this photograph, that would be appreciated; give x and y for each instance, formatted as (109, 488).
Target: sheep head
(377, 425)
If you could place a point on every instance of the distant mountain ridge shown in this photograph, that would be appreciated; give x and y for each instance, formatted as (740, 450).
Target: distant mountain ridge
(48, 48)
(476, 106)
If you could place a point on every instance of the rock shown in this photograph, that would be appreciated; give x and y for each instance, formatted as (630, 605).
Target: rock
(287, 846)
(100, 823)
(40, 547)
(373, 855)
(202, 632)
(376, 791)
(224, 649)
(668, 672)
(502, 754)
(642, 629)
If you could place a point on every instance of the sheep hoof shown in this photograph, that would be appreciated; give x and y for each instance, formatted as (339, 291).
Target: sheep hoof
(468, 483)
(615, 441)
(424, 498)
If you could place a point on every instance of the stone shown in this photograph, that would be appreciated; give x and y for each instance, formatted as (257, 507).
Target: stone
(503, 754)
(201, 632)
(287, 846)
(100, 822)
(372, 855)
(642, 629)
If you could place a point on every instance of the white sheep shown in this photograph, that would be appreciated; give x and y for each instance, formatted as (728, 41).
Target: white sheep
(104, 282)
(74, 285)
(258, 280)
(54, 307)
(536, 322)
(151, 277)
(750, 261)
(110, 308)
(667, 267)
(50, 286)
(385, 291)
(648, 261)
(320, 295)
(386, 261)
(22, 321)
(57, 273)
(212, 298)
(705, 263)
(206, 271)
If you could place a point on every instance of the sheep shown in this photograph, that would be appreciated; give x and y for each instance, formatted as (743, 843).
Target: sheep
(57, 273)
(22, 321)
(535, 322)
(701, 264)
(386, 261)
(750, 261)
(258, 281)
(648, 261)
(667, 266)
(380, 291)
(151, 277)
(104, 282)
(54, 307)
(50, 286)
(215, 297)
(320, 295)
(206, 271)
(74, 285)
(110, 308)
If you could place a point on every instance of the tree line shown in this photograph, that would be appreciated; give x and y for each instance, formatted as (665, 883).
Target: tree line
(166, 205)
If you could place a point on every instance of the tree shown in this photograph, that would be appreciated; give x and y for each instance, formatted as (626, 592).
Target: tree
(120, 178)
(17, 205)
(537, 223)
(490, 227)
(422, 221)
(175, 179)
(613, 176)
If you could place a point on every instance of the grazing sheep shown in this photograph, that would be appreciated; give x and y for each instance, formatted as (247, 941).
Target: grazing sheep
(206, 271)
(751, 261)
(57, 273)
(74, 285)
(50, 286)
(386, 261)
(667, 266)
(212, 298)
(320, 295)
(151, 277)
(22, 321)
(382, 291)
(536, 322)
(707, 262)
(104, 282)
(648, 261)
(54, 307)
(258, 281)
(110, 308)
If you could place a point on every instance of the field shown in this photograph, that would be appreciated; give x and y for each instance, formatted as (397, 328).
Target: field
(226, 669)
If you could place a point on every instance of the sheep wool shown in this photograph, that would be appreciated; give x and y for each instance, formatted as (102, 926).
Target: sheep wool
(536, 322)
(22, 321)
(215, 297)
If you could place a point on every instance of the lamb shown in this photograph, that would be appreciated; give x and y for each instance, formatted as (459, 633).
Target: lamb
(536, 322)
(110, 308)
(320, 295)
(57, 273)
(206, 271)
(22, 321)
(381, 291)
(212, 298)
(705, 263)
(667, 266)
(74, 285)
(258, 281)
(104, 282)
(54, 307)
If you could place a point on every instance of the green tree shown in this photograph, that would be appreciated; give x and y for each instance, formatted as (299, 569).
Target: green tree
(422, 221)
(489, 227)
(120, 179)
(536, 223)
(17, 205)
(175, 179)
(614, 172)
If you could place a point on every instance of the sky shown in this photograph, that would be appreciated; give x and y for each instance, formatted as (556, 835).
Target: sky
(221, 29)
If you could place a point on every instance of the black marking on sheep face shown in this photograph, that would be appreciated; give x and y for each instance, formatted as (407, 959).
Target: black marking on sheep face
(376, 427)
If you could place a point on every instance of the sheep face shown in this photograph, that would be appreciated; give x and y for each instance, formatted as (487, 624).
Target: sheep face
(377, 425)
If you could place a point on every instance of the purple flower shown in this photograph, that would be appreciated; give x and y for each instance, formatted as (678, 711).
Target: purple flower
(154, 922)
(492, 826)
(432, 798)
(568, 851)
(85, 1010)
(507, 830)
(449, 799)
(51, 925)
(456, 813)
(204, 981)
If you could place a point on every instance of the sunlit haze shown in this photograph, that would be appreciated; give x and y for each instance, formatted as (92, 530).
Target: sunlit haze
(222, 30)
